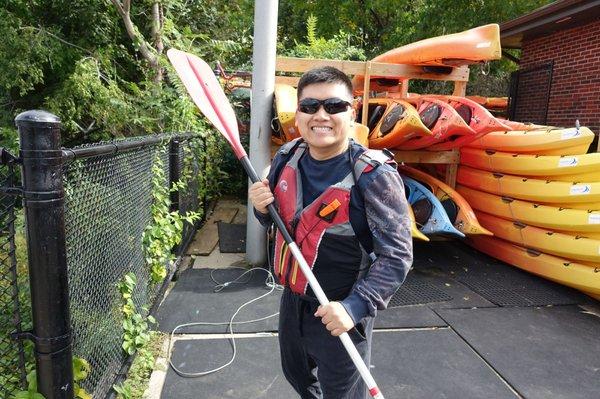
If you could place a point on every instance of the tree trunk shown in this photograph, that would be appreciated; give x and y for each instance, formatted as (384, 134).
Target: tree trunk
(149, 53)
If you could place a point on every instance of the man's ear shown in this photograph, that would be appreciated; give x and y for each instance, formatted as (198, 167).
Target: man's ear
(353, 114)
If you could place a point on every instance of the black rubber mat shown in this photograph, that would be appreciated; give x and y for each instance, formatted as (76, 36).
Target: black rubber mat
(436, 290)
(418, 316)
(255, 372)
(549, 352)
(408, 364)
(507, 285)
(499, 283)
(232, 237)
(193, 299)
(415, 292)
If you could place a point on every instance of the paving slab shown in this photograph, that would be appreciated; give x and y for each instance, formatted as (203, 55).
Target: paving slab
(408, 364)
(193, 299)
(549, 352)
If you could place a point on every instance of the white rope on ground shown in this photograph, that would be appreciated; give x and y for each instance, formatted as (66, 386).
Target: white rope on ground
(269, 282)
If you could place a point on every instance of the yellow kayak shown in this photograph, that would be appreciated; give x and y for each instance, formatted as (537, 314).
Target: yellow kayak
(547, 241)
(586, 206)
(576, 177)
(531, 141)
(529, 165)
(285, 103)
(535, 190)
(580, 276)
(549, 217)
(575, 150)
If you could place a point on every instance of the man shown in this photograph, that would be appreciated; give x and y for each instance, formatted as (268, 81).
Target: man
(341, 204)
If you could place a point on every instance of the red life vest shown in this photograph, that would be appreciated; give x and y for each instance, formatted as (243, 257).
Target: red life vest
(322, 230)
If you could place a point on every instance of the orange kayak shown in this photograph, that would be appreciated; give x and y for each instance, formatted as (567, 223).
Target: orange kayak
(463, 48)
(443, 121)
(476, 116)
(458, 209)
(393, 122)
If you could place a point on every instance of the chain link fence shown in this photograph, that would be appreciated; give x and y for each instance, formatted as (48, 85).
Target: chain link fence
(107, 207)
(14, 293)
(108, 193)
(108, 201)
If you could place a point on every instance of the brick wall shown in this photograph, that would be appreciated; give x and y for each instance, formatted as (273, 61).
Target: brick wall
(575, 91)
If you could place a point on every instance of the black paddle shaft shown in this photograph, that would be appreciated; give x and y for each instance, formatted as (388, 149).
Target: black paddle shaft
(271, 207)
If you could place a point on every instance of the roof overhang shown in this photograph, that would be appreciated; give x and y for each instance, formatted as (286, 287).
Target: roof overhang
(560, 15)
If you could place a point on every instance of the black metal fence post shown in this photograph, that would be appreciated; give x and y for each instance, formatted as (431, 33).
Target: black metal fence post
(174, 171)
(43, 200)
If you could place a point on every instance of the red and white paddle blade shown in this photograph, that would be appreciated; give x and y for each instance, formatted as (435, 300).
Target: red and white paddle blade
(206, 92)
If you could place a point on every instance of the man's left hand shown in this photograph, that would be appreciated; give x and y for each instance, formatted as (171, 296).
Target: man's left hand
(335, 318)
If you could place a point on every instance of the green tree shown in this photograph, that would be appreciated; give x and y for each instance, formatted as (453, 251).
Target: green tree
(100, 65)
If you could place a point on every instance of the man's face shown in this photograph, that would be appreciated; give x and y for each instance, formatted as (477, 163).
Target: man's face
(325, 133)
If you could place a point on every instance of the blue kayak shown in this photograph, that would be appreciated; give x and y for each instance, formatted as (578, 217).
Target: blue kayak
(429, 212)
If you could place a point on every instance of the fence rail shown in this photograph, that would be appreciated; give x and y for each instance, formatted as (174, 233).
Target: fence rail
(87, 209)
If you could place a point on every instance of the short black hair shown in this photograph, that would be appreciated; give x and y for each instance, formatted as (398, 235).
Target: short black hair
(326, 74)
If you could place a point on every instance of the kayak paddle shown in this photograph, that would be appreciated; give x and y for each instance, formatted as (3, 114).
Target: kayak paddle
(206, 92)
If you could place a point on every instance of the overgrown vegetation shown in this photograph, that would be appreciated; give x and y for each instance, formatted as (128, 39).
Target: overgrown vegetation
(100, 66)
(164, 232)
(81, 369)
(139, 374)
(339, 47)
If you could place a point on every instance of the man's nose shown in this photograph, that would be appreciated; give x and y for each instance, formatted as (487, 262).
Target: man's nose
(321, 113)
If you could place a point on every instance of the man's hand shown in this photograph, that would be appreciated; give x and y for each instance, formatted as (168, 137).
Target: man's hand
(335, 318)
(260, 195)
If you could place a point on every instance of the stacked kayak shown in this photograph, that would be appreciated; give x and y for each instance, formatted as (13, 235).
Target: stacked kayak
(442, 119)
(430, 216)
(429, 122)
(393, 122)
(456, 207)
(464, 48)
(543, 209)
(475, 116)
(539, 140)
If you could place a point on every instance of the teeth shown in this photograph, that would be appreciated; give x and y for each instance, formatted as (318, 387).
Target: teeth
(321, 129)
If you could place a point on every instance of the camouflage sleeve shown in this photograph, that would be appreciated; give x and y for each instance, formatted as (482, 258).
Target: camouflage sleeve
(387, 215)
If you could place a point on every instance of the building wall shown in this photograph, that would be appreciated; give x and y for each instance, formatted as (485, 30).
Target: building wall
(575, 91)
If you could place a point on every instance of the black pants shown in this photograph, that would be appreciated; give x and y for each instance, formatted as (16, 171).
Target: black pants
(314, 362)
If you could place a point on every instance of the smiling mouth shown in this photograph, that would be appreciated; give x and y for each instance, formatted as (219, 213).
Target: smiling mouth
(321, 129)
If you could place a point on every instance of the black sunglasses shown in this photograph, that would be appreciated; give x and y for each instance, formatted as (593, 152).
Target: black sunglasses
(331, 105)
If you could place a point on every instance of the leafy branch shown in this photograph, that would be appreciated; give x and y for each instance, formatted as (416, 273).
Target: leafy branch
(166, 228)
